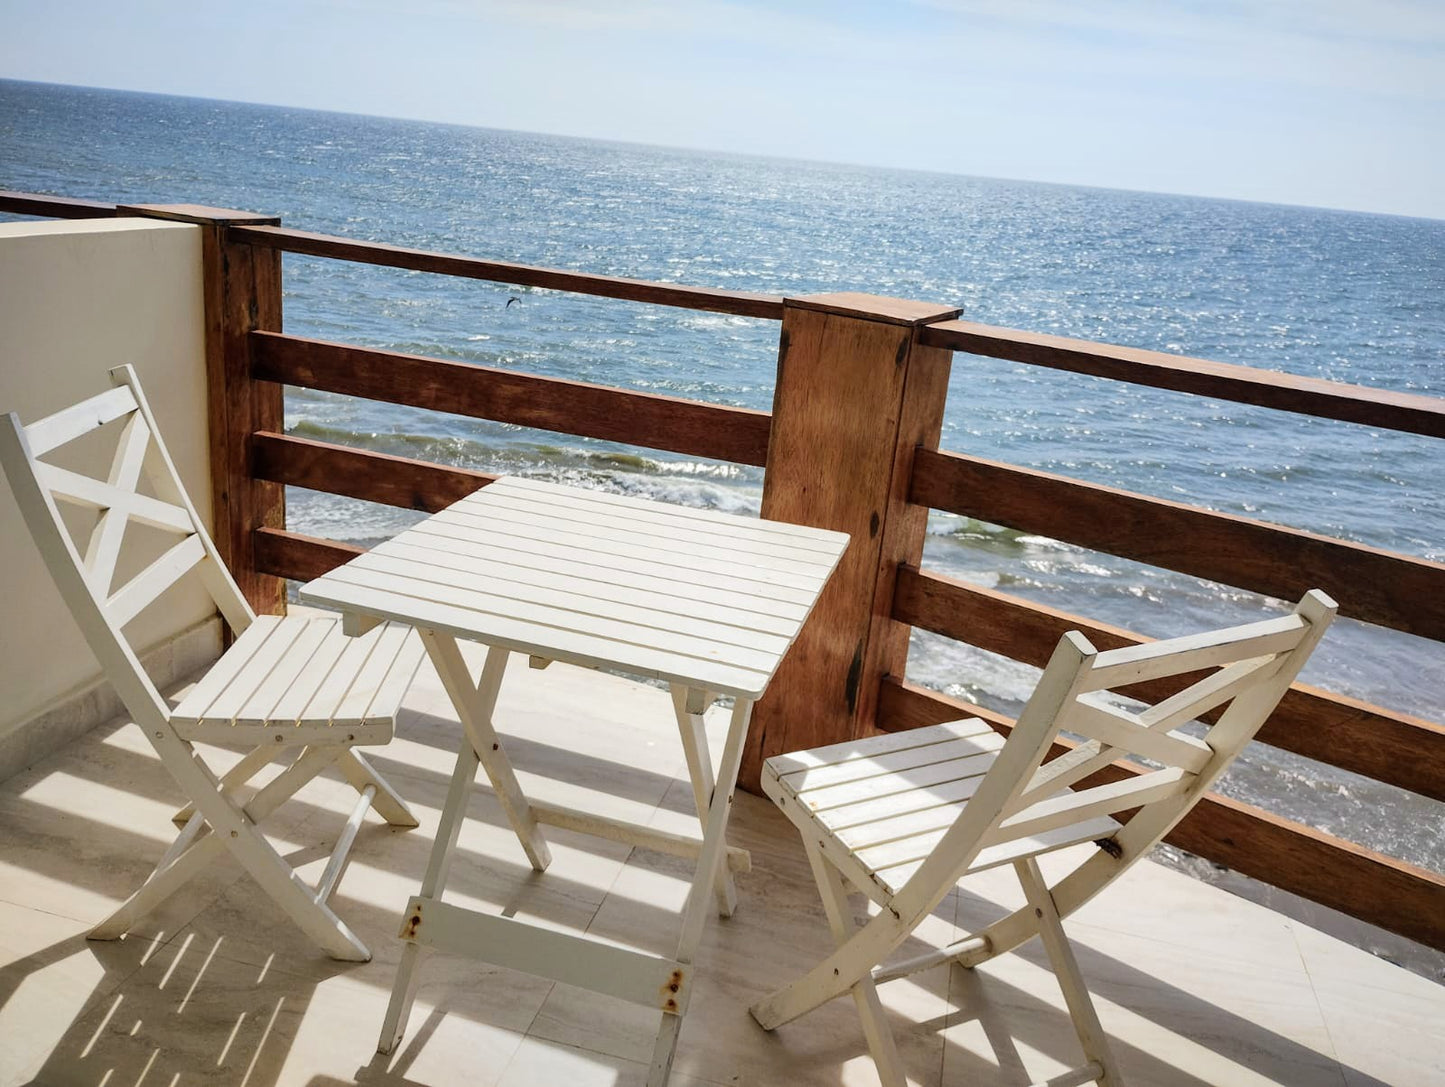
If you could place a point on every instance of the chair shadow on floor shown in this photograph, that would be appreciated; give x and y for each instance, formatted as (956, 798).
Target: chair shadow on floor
(219, 990)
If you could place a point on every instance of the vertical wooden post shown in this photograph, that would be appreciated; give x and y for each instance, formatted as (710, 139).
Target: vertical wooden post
(856, 395)
(242, 287)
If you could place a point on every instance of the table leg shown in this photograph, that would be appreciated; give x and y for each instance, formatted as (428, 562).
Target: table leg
(474, 706)
(694, 914)
(454, 813)
(689, 704)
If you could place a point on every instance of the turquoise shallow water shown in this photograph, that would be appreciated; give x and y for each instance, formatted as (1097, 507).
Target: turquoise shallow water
(1345, 296)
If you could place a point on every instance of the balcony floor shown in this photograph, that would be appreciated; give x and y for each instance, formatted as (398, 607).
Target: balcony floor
(1194, 985)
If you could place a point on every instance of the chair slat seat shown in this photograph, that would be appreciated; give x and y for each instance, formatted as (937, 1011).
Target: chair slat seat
(886, 809)
(1097, 829)
(292, 679)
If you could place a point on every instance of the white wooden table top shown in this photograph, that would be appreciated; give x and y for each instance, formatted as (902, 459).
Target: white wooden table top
(692, 596)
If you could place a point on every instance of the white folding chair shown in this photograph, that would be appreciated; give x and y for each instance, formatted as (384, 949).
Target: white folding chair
(904, 817)
(288, 685)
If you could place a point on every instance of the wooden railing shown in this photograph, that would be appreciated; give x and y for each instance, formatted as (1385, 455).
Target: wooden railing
(1223, 381)
(418, 260)
(852, 445)
(54, 207)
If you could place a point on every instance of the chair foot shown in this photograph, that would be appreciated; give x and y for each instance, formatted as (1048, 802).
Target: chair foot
(344, 945)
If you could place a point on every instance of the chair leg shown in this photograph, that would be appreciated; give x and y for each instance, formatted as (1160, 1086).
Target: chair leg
(865, 992)
(234, 828)
(174, 871)
(195, 846)
(357, 770)
(835, 975)
(244, 770)
(1066, 968)
(277, 878)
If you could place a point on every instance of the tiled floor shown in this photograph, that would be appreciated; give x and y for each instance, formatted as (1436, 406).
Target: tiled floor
(1194, 985)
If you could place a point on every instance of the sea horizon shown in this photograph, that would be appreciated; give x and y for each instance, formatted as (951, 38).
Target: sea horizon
(724, 152)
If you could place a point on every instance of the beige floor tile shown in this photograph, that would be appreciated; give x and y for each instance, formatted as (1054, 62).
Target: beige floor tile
(1170, 1018)
(49, 976)
(1387, 1024)
(1163, 905)
(193, 1013)
(86, 826)
(539, 1062)
(777, 933)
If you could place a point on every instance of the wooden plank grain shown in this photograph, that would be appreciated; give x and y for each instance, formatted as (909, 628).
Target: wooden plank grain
(841, 381)
(710, 299)
(361, 473)
(1396, 748)
(570, 407)
(292, 555)
(1408, 412)
(1371, 584)
(1340, 874)
(242, 291)
(53, 207)
(905, 524)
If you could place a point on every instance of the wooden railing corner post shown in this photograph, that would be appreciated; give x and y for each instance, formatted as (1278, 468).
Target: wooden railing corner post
(242, 292)
(857, 393)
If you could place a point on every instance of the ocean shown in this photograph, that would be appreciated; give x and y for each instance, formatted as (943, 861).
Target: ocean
(1340, 295)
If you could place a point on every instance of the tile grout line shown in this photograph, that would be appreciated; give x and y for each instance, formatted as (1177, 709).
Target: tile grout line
(1319, 1007)
(954, 1012)
(948, 1005)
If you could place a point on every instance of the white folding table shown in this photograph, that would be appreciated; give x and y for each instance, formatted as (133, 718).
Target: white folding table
(708, 602)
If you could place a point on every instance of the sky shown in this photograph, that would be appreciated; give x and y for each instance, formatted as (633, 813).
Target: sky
(1335, 103)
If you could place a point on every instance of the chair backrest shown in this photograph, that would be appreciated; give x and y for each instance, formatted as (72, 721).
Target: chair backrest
(1246, 670)
(85, 580)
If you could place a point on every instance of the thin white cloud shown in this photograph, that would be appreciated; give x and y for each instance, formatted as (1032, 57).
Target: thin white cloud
(1416, 23)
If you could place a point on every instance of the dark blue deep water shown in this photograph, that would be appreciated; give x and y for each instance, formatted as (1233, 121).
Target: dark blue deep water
(1349, 297)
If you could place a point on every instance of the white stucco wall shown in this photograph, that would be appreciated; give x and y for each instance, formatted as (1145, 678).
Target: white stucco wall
(77, 298)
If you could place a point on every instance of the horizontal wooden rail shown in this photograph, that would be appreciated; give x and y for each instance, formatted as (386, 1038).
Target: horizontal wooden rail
(53, 207)
(1394, 748)
(290, 554)
(1383, 408)
(360, 473)
(1375, 888)
(713, 300)
(1371, 584)
(569, 407)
